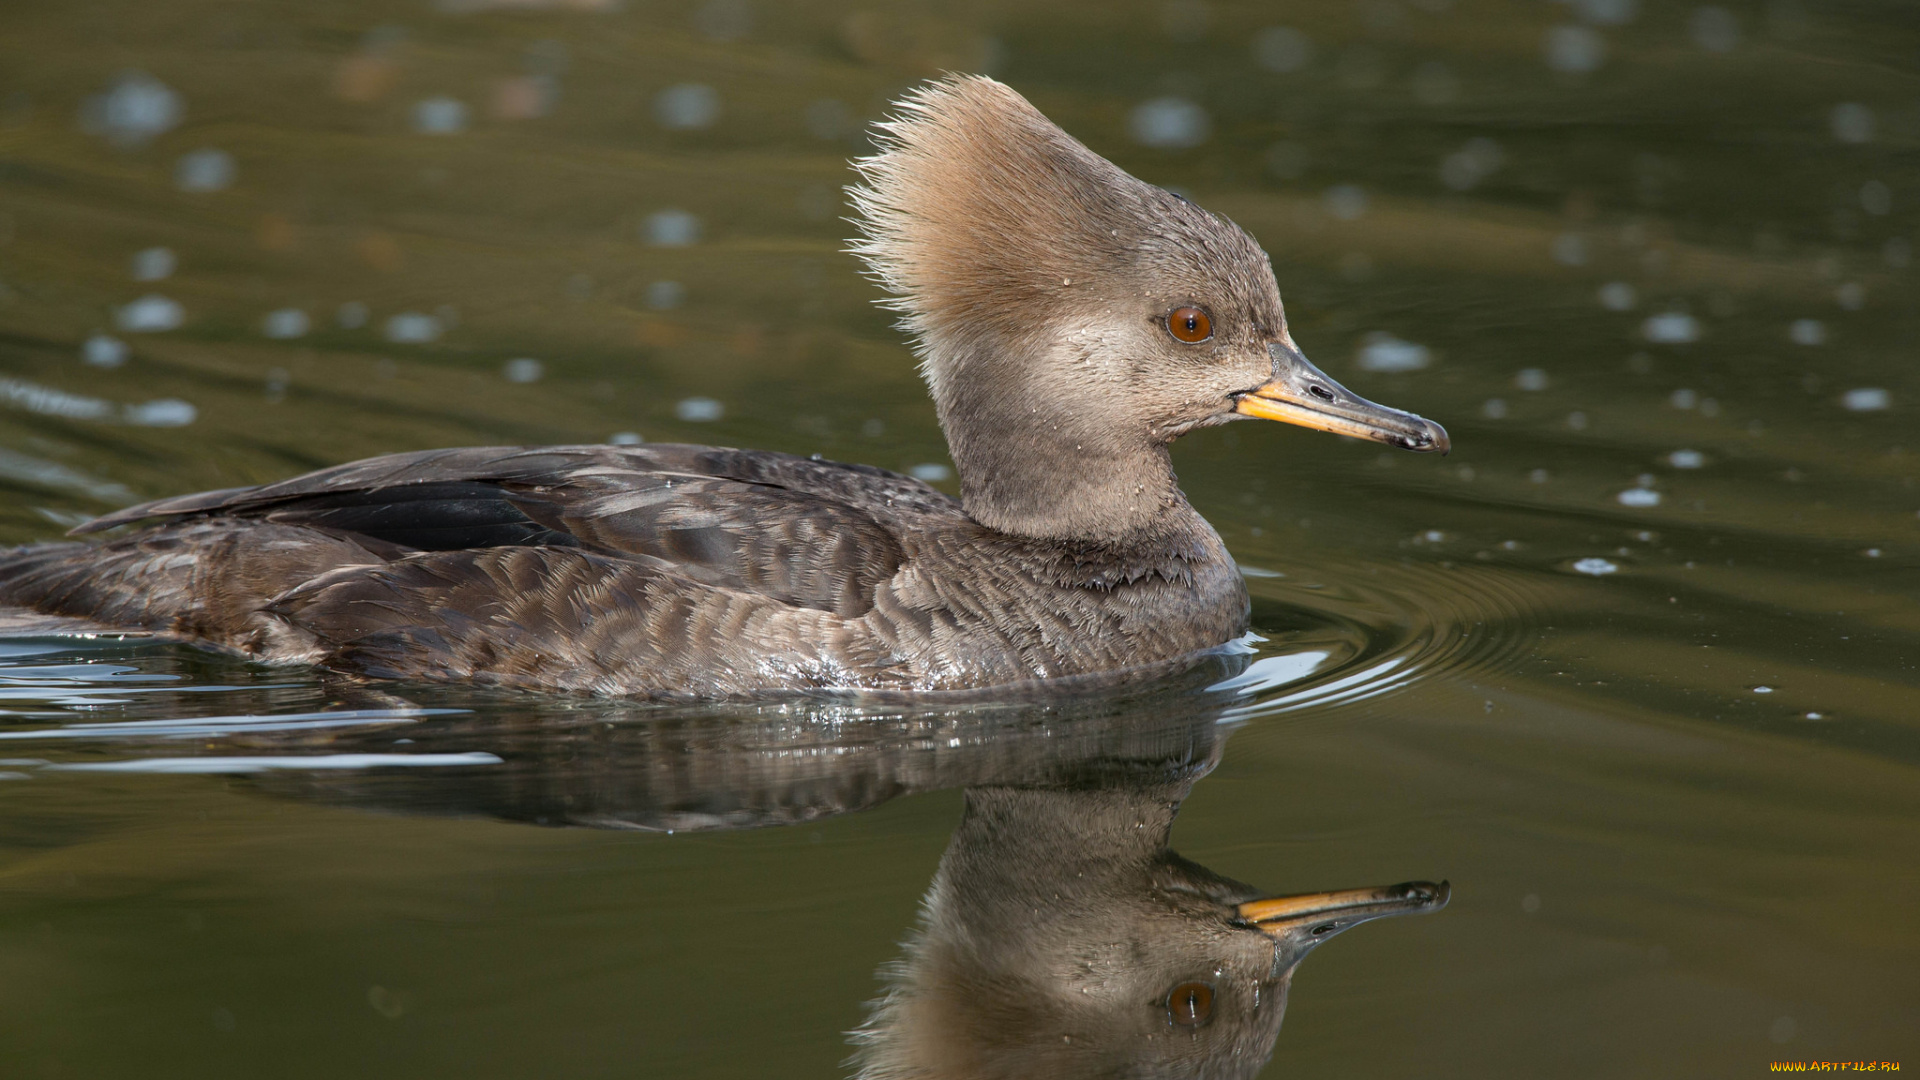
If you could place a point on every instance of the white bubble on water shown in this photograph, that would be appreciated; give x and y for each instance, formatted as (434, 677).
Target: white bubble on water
(412, 328)
(699, 409)
(1494, 409)
(931, 473)
(1575, 50)
(152, 264)
(1808, 332)
(103, 351)
(1638, 497)
(204, 170)
(1539, 476)
(150, 314)
(1346, 201)
(285, 323)
(1852, 122)
(1531, 379)
(1763, 689)
(1282, 49)
(1671, 328)
(666, 295)
(1465, 168)
(166, 412)
(1595, 567)
(687, 106)
(1866, 399)
(132, 111)
(1683, 399)
(1383, 352)
(1687, 459)
(440, 116)
(1715, 29)
(1876, 198)
(1618, 296)
(1170, 123)
(523, 369)
(625, 438)
(672, 228)
(1570, 249)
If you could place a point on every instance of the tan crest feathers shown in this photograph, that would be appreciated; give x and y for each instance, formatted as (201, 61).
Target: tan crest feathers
(977, 202)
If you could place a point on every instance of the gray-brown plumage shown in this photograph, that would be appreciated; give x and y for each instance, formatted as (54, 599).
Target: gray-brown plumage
(1053, 300)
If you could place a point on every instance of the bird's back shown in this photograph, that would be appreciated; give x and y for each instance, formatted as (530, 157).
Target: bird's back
(661, 571)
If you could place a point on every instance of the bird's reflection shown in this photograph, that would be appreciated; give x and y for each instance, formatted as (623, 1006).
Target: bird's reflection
(1060, 936)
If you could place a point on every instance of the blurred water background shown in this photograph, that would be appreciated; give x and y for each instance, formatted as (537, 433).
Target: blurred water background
(1637, 667)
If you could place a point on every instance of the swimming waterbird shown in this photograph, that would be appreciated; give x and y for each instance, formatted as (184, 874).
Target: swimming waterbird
(1071, 322)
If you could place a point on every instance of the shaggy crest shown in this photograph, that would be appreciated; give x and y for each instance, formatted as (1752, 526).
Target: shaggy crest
(979, 214)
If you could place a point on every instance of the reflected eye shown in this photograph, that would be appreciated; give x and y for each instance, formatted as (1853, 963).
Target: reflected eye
(1189, 324)
(1190, 1003)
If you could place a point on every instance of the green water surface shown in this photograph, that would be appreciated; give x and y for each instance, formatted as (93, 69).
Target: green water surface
(1636, 668)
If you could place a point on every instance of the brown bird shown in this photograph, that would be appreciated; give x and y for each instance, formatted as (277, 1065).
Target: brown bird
(1071, 322)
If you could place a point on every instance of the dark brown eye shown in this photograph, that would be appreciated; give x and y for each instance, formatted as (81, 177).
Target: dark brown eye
(1190, 1003)
(1189, 324)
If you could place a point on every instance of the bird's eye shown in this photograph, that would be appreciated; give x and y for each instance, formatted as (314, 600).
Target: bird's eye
(1190, 1004)
(1189, 324)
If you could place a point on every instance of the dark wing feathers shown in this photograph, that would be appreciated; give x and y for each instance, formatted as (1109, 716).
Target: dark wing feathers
(444, 516)
(487, 464)
(802, 532)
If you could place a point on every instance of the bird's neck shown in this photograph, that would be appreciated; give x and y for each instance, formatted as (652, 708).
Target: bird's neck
(1054, 462)
(1017, 846)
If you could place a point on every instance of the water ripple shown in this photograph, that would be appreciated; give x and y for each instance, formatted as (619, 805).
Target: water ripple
(203, 727)
(1378, 630)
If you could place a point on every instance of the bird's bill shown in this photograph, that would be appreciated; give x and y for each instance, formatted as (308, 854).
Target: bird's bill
(1300, 393)
(1317, 916)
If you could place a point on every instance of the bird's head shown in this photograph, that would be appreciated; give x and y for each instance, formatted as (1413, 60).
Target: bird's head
(1053, 297)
